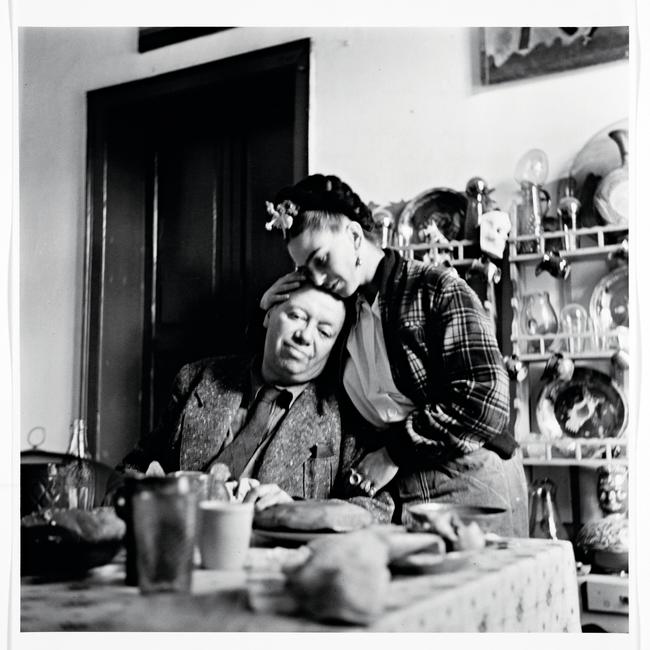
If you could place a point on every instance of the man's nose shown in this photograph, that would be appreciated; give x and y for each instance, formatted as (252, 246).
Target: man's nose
(304, 334)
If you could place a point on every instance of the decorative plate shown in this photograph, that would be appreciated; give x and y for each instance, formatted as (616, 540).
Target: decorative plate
(589, 405)
(438, 208)
(608, 306)
(599, 156)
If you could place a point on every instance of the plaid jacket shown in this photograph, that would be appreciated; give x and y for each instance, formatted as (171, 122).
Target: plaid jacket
(445, 359)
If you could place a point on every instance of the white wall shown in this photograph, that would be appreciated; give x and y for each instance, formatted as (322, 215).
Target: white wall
(393, 111)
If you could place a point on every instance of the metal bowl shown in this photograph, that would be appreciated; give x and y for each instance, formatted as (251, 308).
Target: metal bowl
(51, 550)
(56, 552)
(422, 516)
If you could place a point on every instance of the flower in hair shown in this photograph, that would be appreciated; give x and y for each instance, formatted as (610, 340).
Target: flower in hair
(281, 214)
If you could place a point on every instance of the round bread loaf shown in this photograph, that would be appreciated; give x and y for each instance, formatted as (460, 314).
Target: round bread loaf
(346, 578)
(327, 514)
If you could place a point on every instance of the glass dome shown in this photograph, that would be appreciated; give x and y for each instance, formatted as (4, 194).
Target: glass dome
(532, 167)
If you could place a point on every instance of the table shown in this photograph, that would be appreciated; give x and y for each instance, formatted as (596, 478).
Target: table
(530, 586)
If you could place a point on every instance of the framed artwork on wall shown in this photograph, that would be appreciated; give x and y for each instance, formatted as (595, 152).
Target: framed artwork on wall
(151, 38)
(510, 53)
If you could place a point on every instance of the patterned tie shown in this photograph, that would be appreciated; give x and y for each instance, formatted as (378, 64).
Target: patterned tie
(237, 454)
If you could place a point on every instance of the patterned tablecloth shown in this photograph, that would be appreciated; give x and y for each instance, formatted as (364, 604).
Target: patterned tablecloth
(530, 586)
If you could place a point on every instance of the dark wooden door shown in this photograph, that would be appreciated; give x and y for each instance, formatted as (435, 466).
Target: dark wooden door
(179, 255)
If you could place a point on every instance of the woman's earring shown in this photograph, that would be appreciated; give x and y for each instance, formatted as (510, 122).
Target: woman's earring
(357, 245)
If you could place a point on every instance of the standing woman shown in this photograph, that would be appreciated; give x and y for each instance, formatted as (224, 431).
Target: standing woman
(421, 368)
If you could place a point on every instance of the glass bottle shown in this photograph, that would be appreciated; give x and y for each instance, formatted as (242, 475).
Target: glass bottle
(478, 202)
(79, 473)
(576, 324)
(544, 518)
(530, 172)
(568, 209)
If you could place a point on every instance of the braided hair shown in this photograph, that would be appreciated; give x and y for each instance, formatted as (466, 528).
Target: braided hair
(321, 201)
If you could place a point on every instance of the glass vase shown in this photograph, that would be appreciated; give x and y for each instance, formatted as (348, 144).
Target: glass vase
(538, 318)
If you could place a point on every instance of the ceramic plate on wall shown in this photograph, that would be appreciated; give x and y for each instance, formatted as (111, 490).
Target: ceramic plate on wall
(441, 206)
(589, 405)
(599, 156)
(608, 306)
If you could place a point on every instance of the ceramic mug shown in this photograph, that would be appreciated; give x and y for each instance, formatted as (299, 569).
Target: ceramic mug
(224, 533)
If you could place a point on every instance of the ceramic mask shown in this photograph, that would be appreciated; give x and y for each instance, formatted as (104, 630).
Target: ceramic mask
(612, 489)
(495, 226)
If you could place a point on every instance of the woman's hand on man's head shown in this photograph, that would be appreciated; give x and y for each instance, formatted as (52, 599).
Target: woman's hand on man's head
(282, 288)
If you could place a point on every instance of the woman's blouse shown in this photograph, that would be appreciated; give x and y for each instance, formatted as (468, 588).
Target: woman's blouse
(367, 376)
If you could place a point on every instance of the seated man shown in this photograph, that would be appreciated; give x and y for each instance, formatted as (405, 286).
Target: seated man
(271, 418)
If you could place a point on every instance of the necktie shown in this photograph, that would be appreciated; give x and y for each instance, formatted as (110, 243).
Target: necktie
(237, 454)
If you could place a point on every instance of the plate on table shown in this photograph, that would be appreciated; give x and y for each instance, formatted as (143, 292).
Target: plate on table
(589, 405)
(608, 305)
(466, 513)
(292, 537)
(440, 206)
(312, 516)
(430, 563)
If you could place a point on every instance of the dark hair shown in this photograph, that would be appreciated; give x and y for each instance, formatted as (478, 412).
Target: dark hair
(321, 200)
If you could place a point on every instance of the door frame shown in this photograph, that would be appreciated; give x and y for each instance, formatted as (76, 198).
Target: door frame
(294, 56)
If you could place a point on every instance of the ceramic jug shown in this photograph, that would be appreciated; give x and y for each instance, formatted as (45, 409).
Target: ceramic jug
(544, 517)
(478, 203)
(611, 197)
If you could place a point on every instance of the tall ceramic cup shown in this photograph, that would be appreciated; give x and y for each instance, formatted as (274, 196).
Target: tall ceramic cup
(224, 534)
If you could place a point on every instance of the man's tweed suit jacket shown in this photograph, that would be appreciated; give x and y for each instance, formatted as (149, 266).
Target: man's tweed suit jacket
(303, 457)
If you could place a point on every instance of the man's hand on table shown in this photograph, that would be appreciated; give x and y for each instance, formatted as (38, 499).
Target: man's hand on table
(247, 490)
(155, 469)
(265, 495)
